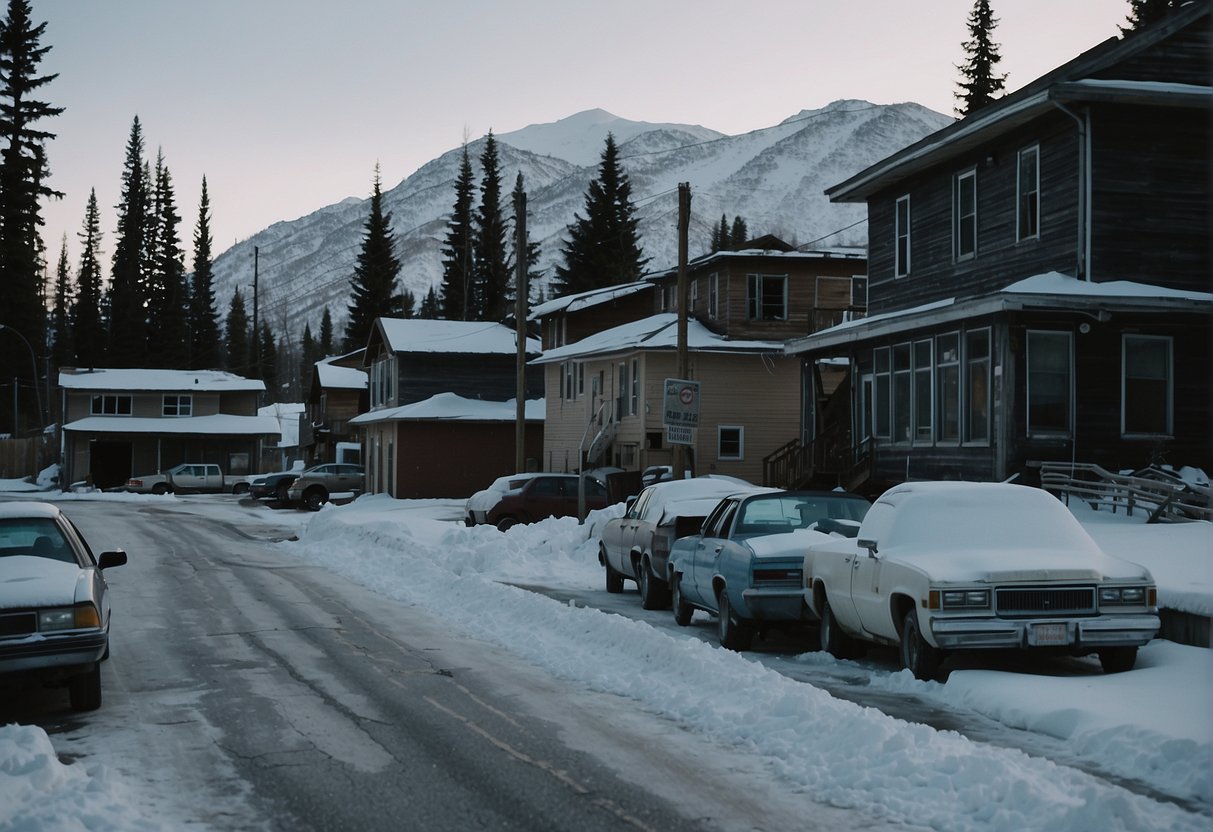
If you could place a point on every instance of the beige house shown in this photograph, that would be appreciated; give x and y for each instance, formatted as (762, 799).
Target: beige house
(605, 397)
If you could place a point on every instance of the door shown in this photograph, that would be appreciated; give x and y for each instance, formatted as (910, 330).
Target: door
(871, 608)
(707, 552)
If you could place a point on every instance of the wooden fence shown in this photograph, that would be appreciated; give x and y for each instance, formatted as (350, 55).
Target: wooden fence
(1156, 491)
(23, 457)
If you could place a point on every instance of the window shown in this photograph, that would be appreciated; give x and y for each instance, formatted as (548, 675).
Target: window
(621, 395)
(923, 399)
(1146, 392)
(1050, 365)
(977, 386)
(104, 405)
(880, 401)
(580, 370)
(964, 215)
(766, 297)
(901, 392)
(901, 234)
(947, 373)
(568, 373)
(634, 404)
(730, 442)
(859, 292)
(1027, 190)
(694, 295)
(713, 296)
(865, 408)
(383, 381)
(177, 406)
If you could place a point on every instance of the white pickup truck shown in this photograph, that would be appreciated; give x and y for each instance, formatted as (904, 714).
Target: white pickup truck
(190, 477)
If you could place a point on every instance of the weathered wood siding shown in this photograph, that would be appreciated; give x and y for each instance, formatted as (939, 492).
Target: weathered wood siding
(473, 376)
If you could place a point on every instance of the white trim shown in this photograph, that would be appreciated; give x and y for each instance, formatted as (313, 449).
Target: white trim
(957, 188)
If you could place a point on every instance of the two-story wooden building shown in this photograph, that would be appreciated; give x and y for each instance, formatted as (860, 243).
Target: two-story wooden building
(1039, 279)
(337, 394)
(123, 422)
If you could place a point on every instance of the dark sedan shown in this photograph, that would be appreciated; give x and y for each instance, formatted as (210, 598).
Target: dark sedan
(54, 611)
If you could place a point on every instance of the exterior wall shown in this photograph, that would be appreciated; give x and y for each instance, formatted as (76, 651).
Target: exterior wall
(457, 459)
(567, 327)
(473, 376)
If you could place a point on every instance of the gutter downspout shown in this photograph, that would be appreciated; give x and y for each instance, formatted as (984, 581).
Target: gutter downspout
(1083, 255)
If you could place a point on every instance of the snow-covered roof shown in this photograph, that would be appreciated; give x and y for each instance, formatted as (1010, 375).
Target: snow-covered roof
(656, 332)
(453, 407)
(335, 376)
(286, 414)
(218, 424)
(584, 300)
(478, 337)
(209, 381)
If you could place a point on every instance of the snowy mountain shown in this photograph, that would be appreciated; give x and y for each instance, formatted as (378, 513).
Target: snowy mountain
(774, 177)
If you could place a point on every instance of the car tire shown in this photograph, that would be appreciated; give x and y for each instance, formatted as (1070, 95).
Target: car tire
(1117, 659)
(506, 522)
(281, 493)
(315, 498)
(833, 640)
(160, 488)
(654, 595)
(682, 610)
(917, 656)
(735, 633)
(614, 580)
(84, 690)
(240, 488)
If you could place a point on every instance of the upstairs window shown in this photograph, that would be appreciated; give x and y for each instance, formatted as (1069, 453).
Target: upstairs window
(859, 292)
(964, 215)
(177, 406)
(383, 381)
(634, 403)
(1146, 390)
(901, 235)
(1028, 194)
(766, 297)
(104, 405)
(713, 295)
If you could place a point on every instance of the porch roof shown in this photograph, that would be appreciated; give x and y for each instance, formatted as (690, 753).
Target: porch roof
(453, 407)
(656, 332)
(217, 424)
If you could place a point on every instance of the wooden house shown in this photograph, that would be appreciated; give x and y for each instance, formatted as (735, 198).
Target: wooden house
(570, 318)
(1038, 283)
(337, 394)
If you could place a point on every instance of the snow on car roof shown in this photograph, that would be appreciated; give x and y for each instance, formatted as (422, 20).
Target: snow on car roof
(685, 498)
(30, 509)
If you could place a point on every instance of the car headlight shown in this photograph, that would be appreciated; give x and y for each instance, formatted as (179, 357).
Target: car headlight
(966, 599)
(1135, 595)
(68, 618)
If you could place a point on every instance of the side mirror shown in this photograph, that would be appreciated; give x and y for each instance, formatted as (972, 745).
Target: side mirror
(870, 545)
(111, 559)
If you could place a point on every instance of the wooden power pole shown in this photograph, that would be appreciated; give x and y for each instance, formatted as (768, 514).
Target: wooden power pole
(684, 220)
(520, 312)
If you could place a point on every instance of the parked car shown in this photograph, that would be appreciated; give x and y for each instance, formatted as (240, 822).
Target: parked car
(746, 564)
(636, 546)
(476, 509)
(943, 566)
(545, 495)
(314, 486)
(275, 486)
(54, 606)
(188, 477)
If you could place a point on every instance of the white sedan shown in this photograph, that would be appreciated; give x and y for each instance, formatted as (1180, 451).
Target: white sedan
(941, 566)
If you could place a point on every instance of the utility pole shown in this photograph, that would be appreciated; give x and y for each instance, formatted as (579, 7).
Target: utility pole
(256, 331)
(520, 297)
(684, 220)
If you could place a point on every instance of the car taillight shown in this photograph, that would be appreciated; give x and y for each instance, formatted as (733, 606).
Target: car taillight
(135, 483)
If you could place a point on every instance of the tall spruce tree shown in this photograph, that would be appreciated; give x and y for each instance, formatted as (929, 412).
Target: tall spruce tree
(1144, 13)
(373, 285)
(739, 234)
(308, 356)
(168, 324)
(237, 339)
(203, 317)
(60, 334)
(979, 84)
(492, 269)
(431, 306)
(267, 364)
(603, 248)
(720, 236)
(326, 334)
(88, 326)
(458, 252)
(127, 320)
(23, 171)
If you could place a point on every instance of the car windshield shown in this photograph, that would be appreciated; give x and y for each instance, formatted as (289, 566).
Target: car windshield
(776, 513)
(38, 537)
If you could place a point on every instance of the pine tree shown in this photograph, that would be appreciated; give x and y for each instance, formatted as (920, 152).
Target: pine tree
(127, 321)
(408, 304)
(603, 248)
(492, 269)
(23, 170)
(237, 340)
(60, 330)
(204, 320)
(457, 253)
(534, 275)
(979, 85)
(267, 369)
(88, 327)
(308, 356)
(326, 334)
(373, 285)
(739, 236)
(431, 306)
(720, 236)
(1144, 13)
(168, 324)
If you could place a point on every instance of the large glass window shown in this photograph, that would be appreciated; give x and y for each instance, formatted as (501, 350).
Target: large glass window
(177, 406)
(902, 385)
(1050, 374)
(964, 215)
(923, 399)
(1146, 386)
(1028, 193)
(901, 235)
(947, 362)
(104, 405)
(766, 297)
(880, 400)
(977, 386)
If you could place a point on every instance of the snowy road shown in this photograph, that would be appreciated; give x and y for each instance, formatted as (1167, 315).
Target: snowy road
(250, 691)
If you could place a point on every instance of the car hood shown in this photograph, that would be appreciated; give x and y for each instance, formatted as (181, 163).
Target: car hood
(483, 500)
(27, 581)
(1012, 565)
(787, 544)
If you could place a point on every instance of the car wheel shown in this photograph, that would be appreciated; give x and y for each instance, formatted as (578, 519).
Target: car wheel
(160, 488)
(833, 640)
(315, 498)
(614, 580)
(240, 488)
(917, 656)
(506, 523)
(1117, 659)
(682, 610)
(735, 633)
(84, 690)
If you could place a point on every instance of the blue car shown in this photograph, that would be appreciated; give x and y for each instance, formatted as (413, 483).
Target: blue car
(746, 564)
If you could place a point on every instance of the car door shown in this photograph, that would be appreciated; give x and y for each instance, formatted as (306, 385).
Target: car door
(545, 497)
(617, 536)
(190, 478)
(706, 554)
(868, 605)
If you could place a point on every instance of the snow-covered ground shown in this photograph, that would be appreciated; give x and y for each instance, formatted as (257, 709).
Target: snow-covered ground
(1152, 725)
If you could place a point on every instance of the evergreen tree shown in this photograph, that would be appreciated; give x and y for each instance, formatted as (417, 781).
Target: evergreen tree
(237, 340)
(458, 251)
(204, 320)
(60, 330)
(720, 236)
(168, 324)
(603, 248)
(979, 85)
(739, 236)
(492, 269)
(533, 273)
(431, 306)
(267, 368)
(326, 334)
(408, 304)
(88, 327)
(373, 285)
(308, 356)
(127, 321)
(23, 170)
(1144, 13)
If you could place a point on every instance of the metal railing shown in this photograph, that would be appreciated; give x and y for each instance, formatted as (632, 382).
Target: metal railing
(1157, 491)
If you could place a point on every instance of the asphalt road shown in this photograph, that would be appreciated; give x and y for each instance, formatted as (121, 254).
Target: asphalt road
(248, 691)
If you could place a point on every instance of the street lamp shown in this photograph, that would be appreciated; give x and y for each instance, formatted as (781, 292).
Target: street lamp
(33, 363)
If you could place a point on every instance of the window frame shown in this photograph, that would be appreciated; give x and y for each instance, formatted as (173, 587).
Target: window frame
(720, 429)
(634, 398)
(1124, 384)
(882, 401)
(755, 294)
(1034, 194)
(1049, 432)
(917, 372)
(967, 393)
(945, 394)
(182, 405)
(965, 179)
(714, 296)
(111, 404)
(901, 259)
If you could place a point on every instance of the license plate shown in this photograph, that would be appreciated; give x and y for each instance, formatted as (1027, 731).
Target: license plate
(1050, 634)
